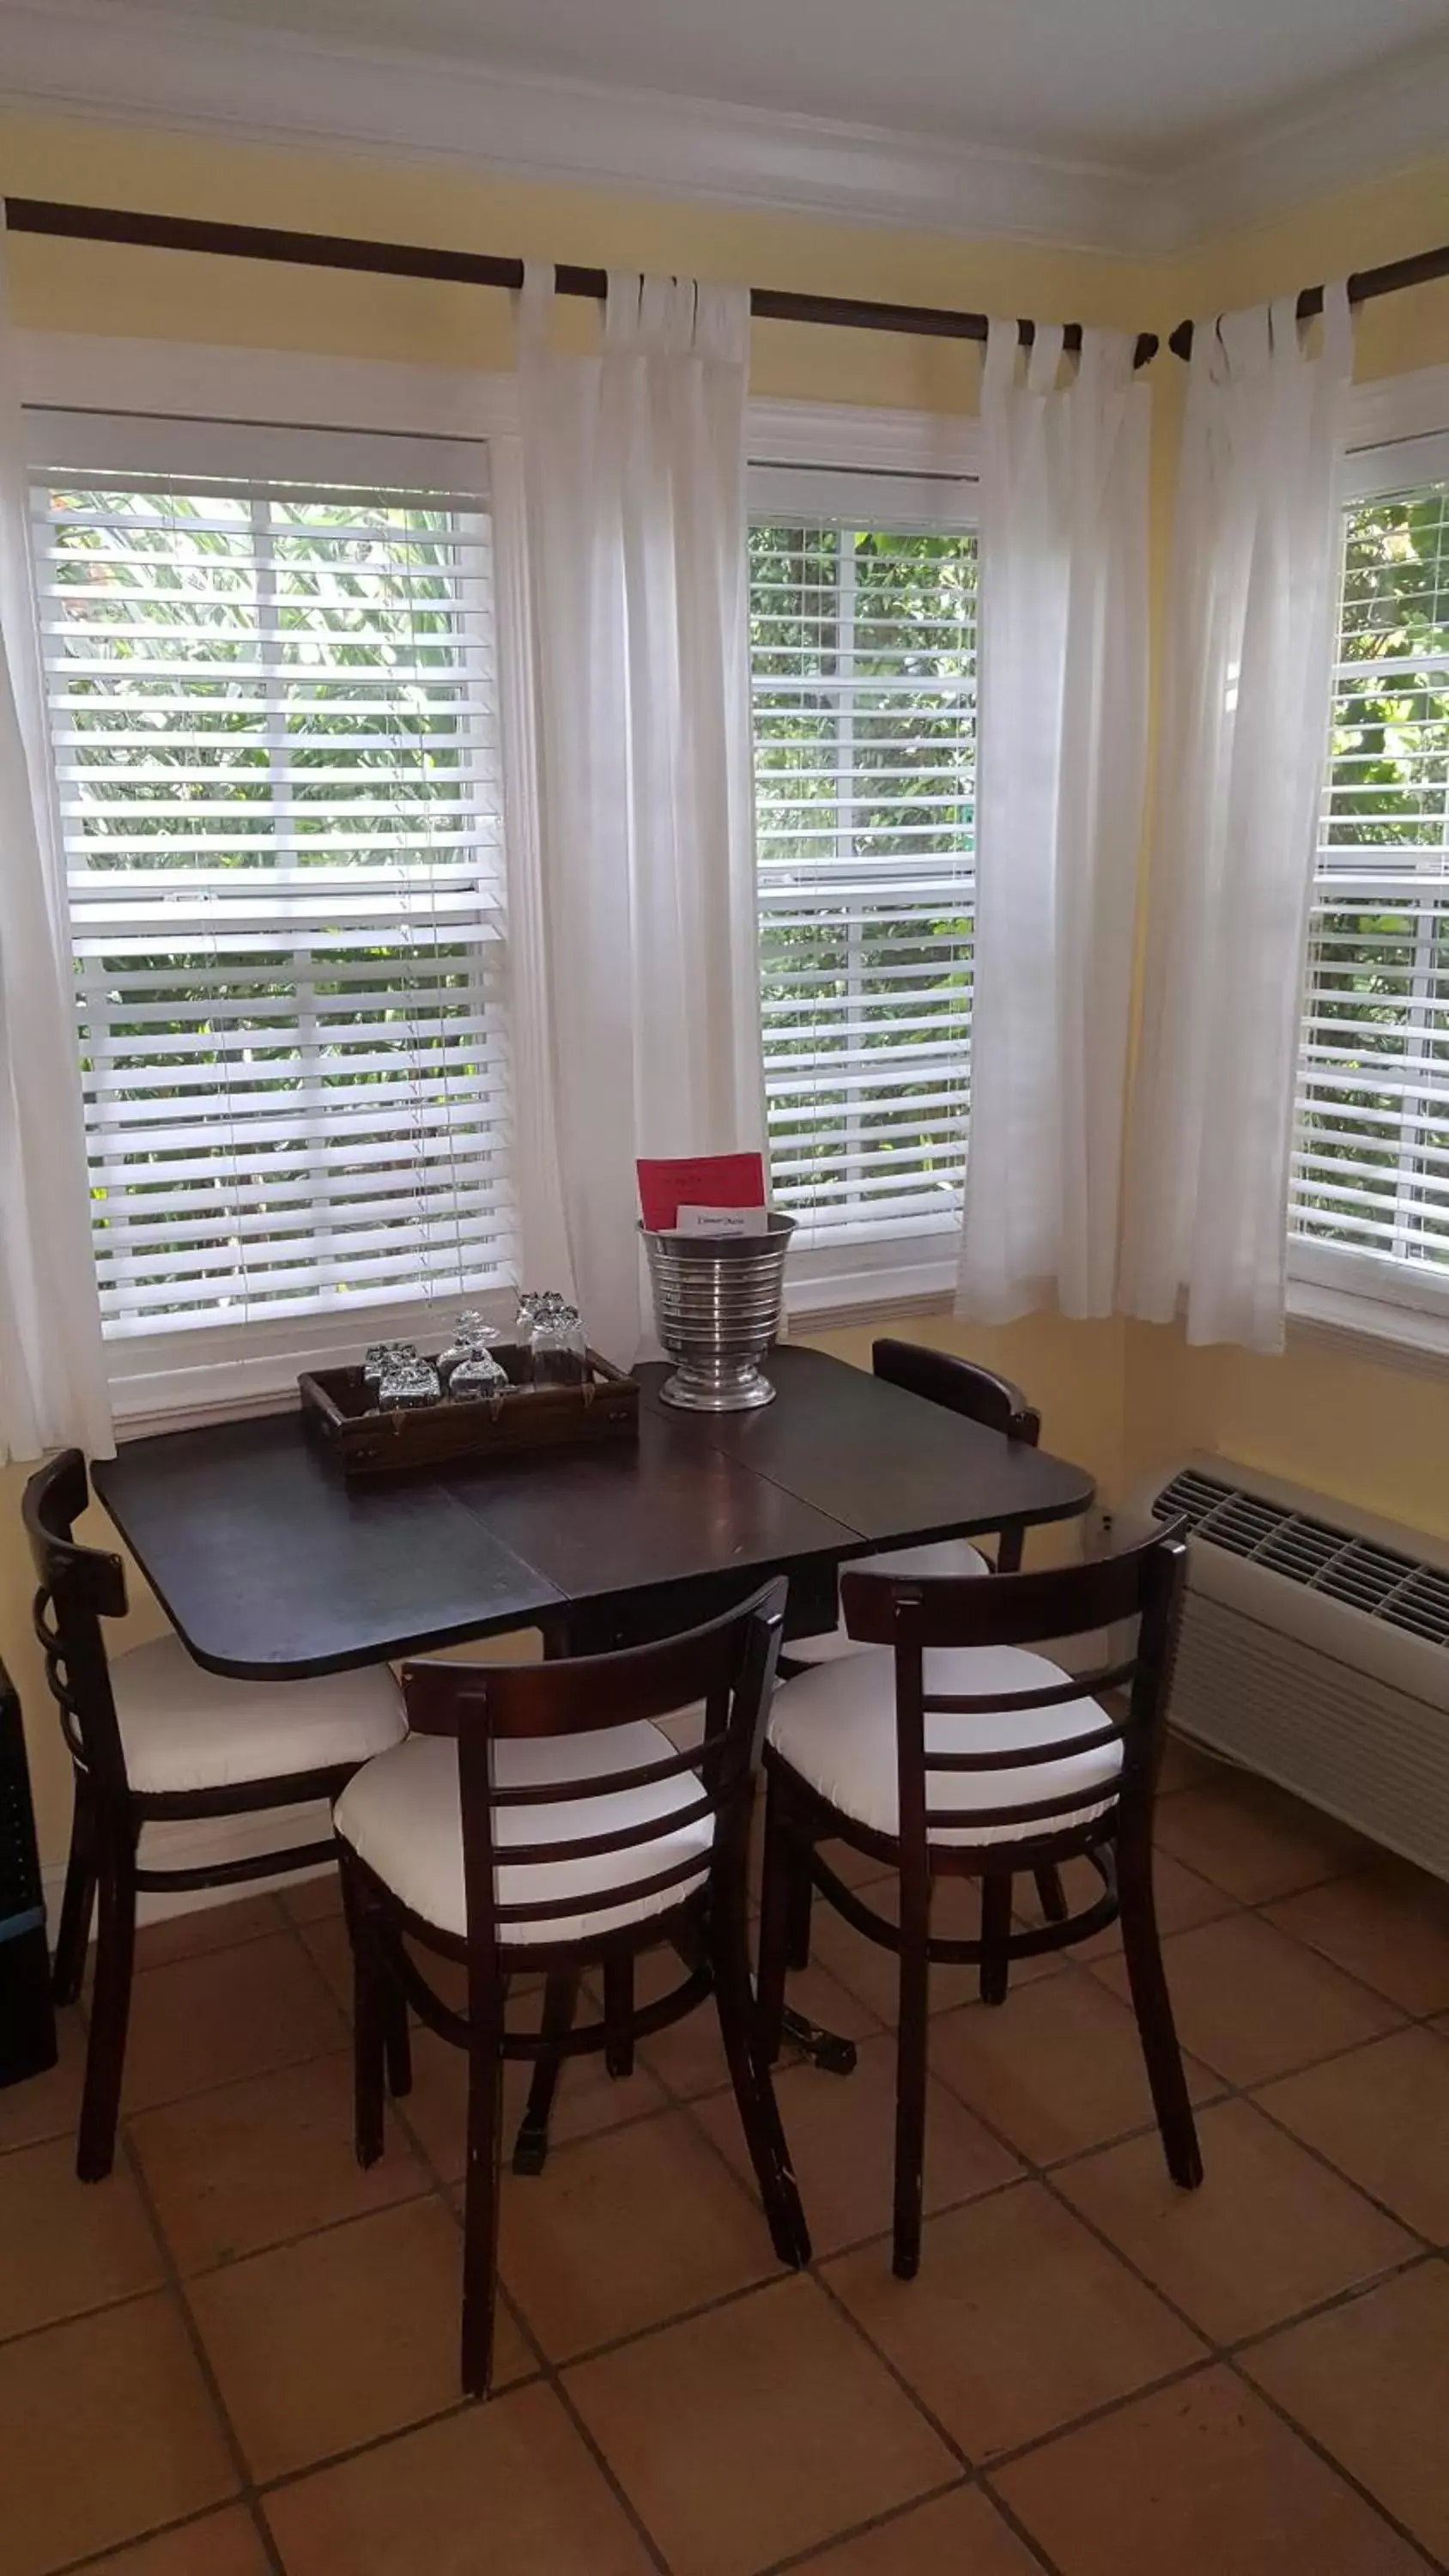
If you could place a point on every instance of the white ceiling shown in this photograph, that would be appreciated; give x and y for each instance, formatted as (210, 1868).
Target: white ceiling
(1121, 125)
(1138, 83)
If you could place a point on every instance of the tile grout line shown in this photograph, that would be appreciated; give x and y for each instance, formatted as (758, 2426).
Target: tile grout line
(673, 2101)
(202, 2358)
(547, 2373)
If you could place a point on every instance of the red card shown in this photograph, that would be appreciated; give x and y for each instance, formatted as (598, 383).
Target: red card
(698, 1180)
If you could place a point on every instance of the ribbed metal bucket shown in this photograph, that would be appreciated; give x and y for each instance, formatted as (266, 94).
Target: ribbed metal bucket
(717, 1309)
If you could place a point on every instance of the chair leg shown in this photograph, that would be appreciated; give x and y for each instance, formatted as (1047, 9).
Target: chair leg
(560, 2002)
(397, 2040)
(995, 1935)
(915, 1975)
(78, 1903)
(110, 2006)
(1152, 2004)
(1051, 1896)
(774, 1950)
(753, 2088)
(369, 2026)
(619, 2013)
(480, 2196)
(802, 1901)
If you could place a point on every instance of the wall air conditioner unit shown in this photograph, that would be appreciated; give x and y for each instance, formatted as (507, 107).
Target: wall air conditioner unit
(1315, 1649)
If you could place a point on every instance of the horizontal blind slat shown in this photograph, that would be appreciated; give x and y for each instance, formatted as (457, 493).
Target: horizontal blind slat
(273, 712)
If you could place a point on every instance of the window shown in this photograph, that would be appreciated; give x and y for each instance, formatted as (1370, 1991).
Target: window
(863, 632)
(271, 708)
(1370, 1193)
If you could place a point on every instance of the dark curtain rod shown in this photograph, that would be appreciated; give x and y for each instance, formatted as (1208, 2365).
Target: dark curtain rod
(479, 268)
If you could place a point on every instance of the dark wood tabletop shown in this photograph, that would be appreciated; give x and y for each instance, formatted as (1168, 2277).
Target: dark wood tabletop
(270, 1567)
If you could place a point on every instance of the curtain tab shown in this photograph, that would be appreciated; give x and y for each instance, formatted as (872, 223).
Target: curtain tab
(998, 374)
(1338, 329)
(1044, 358)
(624, 308)
(533, 304)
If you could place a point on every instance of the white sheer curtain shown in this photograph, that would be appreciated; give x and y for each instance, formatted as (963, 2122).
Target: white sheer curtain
(52, 1360)
(634, 474)
(1244, 734)
(1061, 785)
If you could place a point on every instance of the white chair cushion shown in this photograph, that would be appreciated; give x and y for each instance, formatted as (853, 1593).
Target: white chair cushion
(836, 1727)
(947, 1556)
(184, 1729)
(402, 1816)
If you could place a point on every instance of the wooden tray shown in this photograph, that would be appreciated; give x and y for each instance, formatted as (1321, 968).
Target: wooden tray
(337, 1406)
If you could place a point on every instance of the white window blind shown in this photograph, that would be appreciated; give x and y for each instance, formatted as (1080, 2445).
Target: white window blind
(1371, 1165)
(864, 662)
(272, 717)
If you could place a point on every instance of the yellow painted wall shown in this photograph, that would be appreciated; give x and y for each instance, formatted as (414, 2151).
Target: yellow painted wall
(1113, 1395)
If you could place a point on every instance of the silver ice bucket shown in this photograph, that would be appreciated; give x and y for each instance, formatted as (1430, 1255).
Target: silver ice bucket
(717, 1302)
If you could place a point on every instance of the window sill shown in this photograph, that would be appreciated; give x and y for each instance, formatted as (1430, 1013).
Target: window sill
(1369, 1329)
(832, 1293)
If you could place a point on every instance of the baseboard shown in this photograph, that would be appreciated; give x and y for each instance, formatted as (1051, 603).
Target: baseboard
(201, 1846)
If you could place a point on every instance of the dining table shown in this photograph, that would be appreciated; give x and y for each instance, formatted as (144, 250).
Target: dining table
(270, 1565)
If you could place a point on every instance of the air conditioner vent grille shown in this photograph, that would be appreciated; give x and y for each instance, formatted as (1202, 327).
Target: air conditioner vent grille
(1401, 1590)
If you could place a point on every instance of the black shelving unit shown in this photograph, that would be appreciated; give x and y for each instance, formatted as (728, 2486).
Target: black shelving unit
(27, 2015)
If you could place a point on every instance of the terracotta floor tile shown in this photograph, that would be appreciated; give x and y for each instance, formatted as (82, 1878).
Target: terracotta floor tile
(312, 1898)
(1389, 1926)
(854, 1868)
(756, 2431)
(503, 2487)
(1270, 2233)
(1382, 2116)
(221, 2544)
(204, 1928)
(872, 1973)
(251, 2164)
(1017, 2321)
(1186, 1766)
(588, 2099)
(350, 2334)
(1183, 1900)
(1370, 2380)
(1255, 1841)
(841, 2133)
(626, 2230)
(1200, 2479)
(1251, 2003)
(68, 2245)
(108, 2432)
(960, 2534)
(48, 2105)
(1056, 2069)
(203, 2021)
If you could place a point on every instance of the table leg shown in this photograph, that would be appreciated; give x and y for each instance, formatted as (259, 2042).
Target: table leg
(824, 2048)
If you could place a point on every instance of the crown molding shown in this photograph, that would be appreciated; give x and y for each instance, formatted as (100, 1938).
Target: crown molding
(1358, 132)
(120, 62)
(124, 62)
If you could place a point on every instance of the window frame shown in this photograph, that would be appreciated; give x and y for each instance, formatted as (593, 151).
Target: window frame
(1398, 436)
(95, 405)
(818, 457)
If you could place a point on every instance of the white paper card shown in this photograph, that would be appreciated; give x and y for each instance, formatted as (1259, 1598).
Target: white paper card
(721, 1220)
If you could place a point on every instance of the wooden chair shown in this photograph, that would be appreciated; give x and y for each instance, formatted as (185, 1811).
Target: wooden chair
(151, 1737)
(956, 1753)
(538, 1817)
(979, 1395)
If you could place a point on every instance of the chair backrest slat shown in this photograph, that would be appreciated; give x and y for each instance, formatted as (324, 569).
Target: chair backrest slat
(78, 1587)
(962, 1386)
(918, 1613)
(1057, 1695)
(728, 1666)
